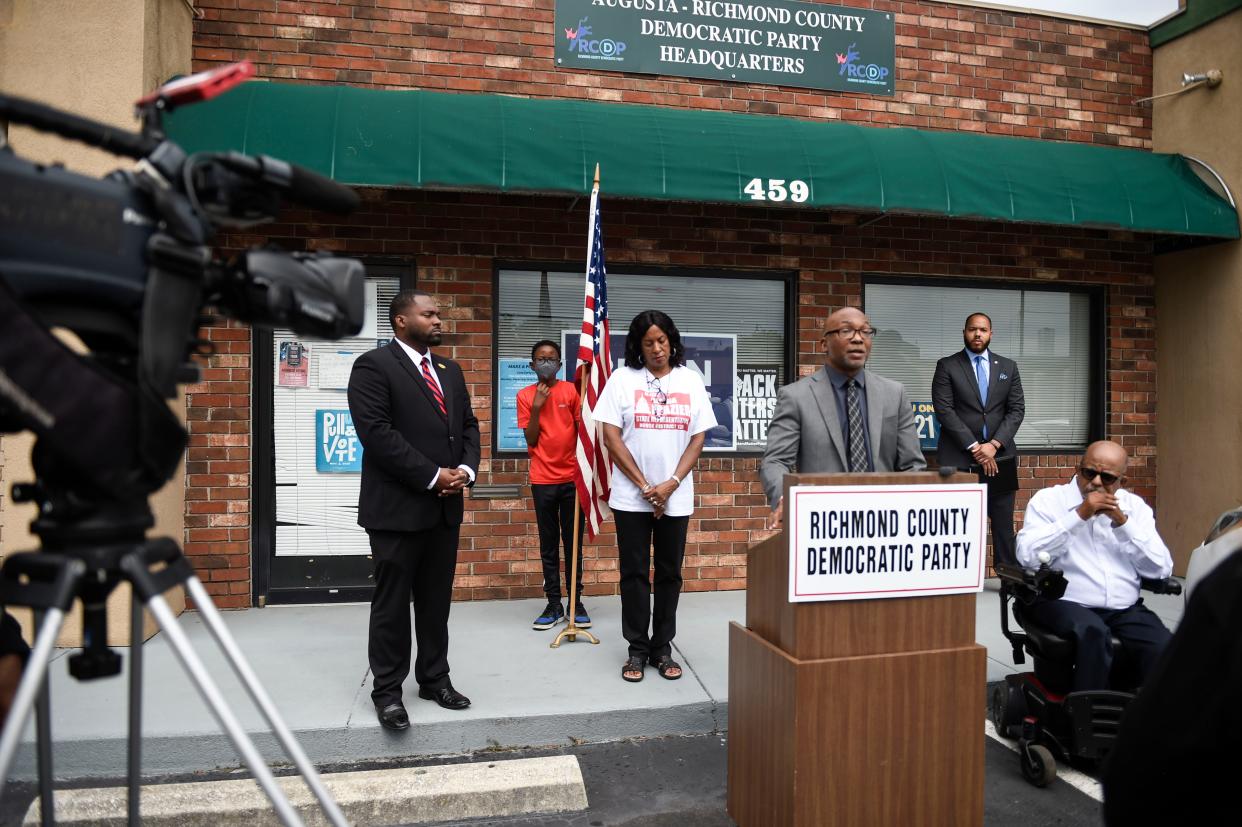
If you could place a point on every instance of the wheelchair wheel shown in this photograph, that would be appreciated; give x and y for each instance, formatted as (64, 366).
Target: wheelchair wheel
(1006, 708)
(1038, 765)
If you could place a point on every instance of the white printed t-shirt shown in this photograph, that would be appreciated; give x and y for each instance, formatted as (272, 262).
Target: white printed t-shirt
(656, 434)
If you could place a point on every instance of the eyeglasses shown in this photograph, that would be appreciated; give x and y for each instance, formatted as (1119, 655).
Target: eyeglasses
(1089, 474)
(848, 333)
(547, 361)
(653, 386)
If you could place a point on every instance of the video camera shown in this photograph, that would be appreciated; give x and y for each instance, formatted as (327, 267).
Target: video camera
(126, 263)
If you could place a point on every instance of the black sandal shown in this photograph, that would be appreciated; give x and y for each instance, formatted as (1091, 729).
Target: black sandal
(633, 664)
(665, 664)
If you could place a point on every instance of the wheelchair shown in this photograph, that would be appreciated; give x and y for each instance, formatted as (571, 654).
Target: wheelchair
(1037, 707)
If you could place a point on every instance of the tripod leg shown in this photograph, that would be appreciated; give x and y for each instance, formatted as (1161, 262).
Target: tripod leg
(30, 687)
(211, 616)
(43, 748)
(134, 798)
(211, 694)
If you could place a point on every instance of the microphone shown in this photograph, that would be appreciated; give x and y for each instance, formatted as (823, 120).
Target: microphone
(310, 188)
(320, 192)
(947, 471)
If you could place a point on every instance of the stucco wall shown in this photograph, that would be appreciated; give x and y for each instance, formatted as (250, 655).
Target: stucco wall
(120, 49)
(1199, 300)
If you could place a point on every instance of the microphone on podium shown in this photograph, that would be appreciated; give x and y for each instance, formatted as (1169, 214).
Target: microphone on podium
(947, 471)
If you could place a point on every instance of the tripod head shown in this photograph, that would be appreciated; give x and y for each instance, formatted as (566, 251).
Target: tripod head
(126, 263)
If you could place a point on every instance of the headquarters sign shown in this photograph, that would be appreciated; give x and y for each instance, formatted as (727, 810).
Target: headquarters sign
(810, 45)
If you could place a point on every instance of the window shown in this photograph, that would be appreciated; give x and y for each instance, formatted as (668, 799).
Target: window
(318, 459)
(733, 328)
(1049, 333)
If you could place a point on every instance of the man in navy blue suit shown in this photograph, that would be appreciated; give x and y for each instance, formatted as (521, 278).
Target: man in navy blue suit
(978, 399)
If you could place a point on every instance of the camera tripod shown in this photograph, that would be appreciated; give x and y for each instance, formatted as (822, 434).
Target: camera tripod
(88, 562)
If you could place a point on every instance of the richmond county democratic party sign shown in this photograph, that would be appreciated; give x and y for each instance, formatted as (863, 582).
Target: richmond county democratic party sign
(808, 45)
(860, 542)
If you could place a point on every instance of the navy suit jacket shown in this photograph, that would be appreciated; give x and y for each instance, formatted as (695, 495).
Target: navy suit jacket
(962, 414)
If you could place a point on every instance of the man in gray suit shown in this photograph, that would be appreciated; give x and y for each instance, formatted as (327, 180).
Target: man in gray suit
(818, 425)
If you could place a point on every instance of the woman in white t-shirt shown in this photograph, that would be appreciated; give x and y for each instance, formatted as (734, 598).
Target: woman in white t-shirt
(656, 414)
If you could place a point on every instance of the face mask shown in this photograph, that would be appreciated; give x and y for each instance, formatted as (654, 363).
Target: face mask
(545, 369)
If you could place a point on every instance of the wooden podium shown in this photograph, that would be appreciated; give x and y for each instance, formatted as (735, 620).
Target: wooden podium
(853, 712)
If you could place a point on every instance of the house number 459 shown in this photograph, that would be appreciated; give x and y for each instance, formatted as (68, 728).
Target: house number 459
(777, 189)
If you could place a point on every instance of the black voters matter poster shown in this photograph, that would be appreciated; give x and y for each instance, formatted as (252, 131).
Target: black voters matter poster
(754, 399)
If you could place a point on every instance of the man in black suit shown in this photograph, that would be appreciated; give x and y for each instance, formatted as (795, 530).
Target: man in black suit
(978, 399)
(420, 444)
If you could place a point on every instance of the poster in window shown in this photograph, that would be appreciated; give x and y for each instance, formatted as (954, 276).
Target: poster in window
(334, 369)
(755, 395)
(294, 364)
(926, 423)
(712, 355)
(369, 326)
(337, 448)
(514, 374)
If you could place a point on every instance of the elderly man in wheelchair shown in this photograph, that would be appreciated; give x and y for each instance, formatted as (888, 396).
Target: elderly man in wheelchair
(1085, 549)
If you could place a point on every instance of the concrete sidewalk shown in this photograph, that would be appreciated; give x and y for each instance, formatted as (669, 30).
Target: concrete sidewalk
(312, 661)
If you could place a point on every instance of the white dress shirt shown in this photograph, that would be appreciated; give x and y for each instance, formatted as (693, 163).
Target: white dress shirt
(974, 366)
(418, 358)
(1102, 564)
(418, 363)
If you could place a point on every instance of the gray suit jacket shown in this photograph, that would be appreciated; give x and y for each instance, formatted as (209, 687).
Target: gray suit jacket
(805, 432)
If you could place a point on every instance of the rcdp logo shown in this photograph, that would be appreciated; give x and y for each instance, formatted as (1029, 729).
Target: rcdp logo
(862, 71)
(579, 41)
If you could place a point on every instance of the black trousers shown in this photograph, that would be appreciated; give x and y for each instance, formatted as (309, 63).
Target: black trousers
(418, 566)
(636, 532)
(1000, 512)
(1142, 636)
(554, 513)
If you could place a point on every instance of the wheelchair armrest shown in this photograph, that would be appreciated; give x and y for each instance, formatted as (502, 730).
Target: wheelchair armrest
(1014, 575)
(1028, 585)
(1167, 585)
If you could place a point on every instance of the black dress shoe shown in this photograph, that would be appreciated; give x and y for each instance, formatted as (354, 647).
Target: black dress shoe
(394, 716)
(445, 696)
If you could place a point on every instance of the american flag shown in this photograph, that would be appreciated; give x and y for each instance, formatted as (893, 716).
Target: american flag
(594, 474)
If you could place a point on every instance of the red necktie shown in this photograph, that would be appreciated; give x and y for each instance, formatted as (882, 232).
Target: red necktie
(433, 386)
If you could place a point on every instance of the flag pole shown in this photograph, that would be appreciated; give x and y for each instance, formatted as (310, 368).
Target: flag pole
(571, 630)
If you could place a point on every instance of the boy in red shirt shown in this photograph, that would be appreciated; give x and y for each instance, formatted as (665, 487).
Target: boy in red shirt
(549, 412)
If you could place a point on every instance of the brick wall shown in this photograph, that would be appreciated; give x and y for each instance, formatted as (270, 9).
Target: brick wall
(217, 469)
(455, 238)
(957, 68)
(960, 68)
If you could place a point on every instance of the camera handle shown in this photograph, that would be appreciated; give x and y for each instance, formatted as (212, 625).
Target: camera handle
(49, 583)
(298, 183)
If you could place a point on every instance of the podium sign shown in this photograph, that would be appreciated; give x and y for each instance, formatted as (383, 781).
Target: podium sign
(861, 542)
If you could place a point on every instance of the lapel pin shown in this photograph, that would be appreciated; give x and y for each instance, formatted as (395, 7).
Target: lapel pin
(1004, 376)
(443, 366)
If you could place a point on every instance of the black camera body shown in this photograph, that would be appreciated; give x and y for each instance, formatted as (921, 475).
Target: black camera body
(126, 263)
(72, 241)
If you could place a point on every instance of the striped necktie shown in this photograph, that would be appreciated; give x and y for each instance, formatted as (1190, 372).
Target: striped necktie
(434, 386)
(858, 444)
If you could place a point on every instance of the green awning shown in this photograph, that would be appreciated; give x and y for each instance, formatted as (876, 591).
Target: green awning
(437, 140)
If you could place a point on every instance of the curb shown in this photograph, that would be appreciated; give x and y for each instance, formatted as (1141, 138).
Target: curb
(106, 758)
(491, 789)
